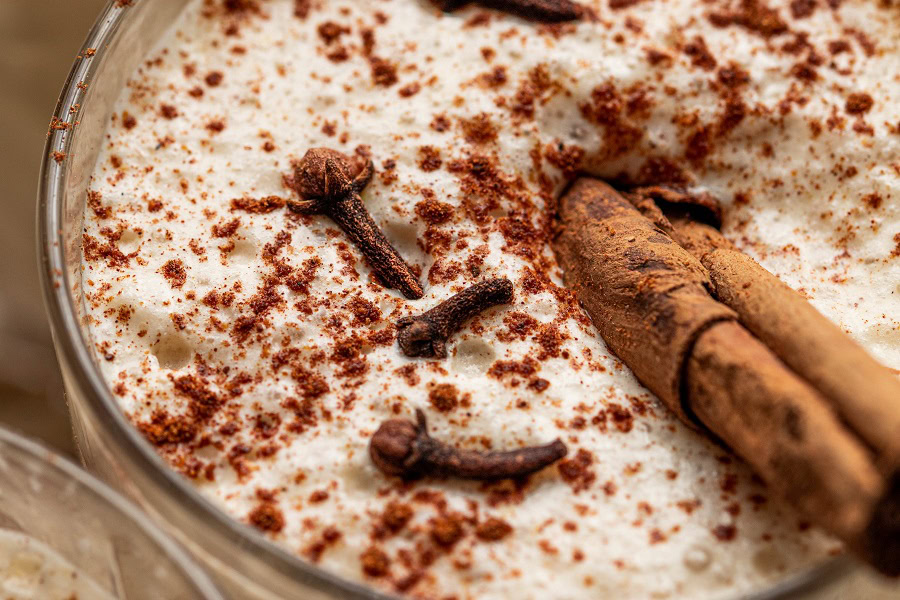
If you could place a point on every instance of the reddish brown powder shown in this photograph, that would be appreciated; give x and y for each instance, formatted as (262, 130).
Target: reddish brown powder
(175, 272)
(267, 517)
(493, 530)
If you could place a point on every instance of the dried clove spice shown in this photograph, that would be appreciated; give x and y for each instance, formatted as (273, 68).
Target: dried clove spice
(330, 183)
(548, 11)
(403, 448)
(426, 335)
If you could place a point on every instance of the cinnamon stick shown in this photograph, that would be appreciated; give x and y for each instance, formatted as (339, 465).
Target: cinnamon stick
(649, 299)
(865, 394)
(780, 425)
(646, 295)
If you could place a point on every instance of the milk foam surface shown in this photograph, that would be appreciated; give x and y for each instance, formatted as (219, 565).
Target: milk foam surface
(474, 124)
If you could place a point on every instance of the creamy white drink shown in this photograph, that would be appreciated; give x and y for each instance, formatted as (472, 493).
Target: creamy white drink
(31, 570)
(255, 348)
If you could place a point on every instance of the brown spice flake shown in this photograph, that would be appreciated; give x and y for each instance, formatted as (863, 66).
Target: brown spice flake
(520, 324)
(873, 201)
(859, 103)
(479, 130)
(384, 72)
(204, 403)
(330, 31)
(226, 230)
(700, 54)
(620, 416)
(214, 78)
(754, 16)
(801, 9)
(429, 158)
(493, 530)
(364, 312)
(733, 76)
(93, 250)
(444, 397)
(566, 158)
(216, 126)
(494, 78)
(447, 530)
(577, 471)
(302, 8)
(396, 515)
(409, 90)
(375, 562)
(725, 533)
(164, 429)
(440, 123)
(620, 4)
(433, 211)
(330, 537)
(175, 272)
(258, 206)
(657, 57)
(240, 7)
(408, 373)
(94, 199)
(839, 47)
(267, 517)
(526, 367)
(318, 496)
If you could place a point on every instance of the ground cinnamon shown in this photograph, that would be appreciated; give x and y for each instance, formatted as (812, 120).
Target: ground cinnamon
(650, 300)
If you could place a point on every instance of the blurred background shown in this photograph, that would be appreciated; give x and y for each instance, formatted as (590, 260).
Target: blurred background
(38, 42)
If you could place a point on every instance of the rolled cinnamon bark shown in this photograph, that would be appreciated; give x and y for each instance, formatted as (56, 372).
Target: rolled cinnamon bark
(649, 299)
(865, 394)
(646, 294)
(781, 426)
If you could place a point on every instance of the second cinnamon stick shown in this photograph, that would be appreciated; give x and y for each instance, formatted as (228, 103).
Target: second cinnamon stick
(865, 393)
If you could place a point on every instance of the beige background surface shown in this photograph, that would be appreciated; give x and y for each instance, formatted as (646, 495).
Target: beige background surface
(38, 42)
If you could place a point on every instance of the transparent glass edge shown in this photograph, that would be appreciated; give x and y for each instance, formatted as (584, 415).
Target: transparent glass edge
(50, 459)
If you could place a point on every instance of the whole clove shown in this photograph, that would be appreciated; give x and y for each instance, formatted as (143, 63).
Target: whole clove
(403, 448)
(330, 183)
(548, 11)
(426, 335)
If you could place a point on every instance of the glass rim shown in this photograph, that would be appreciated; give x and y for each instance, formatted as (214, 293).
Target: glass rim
(47, 458)
(72, 348)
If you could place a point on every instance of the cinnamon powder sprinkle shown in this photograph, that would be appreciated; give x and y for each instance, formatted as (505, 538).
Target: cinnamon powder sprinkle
(267, 517)
(175, 272)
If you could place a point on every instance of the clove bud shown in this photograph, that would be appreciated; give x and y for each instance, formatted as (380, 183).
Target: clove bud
(403, 448)
(426, 335)
(330, 183)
